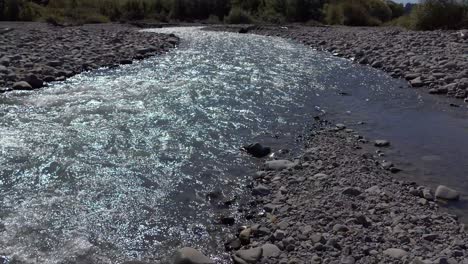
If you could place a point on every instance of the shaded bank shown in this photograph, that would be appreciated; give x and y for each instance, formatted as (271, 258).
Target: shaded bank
(38, 53)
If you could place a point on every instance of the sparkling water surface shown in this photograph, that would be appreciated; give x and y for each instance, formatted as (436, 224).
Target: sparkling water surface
(116, 164)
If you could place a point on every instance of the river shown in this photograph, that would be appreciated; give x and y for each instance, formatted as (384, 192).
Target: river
(117, 164)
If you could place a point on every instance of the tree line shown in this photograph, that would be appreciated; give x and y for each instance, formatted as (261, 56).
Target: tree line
(451, 13)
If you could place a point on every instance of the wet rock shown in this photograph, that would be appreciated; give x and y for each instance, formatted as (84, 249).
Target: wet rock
(257, 150)
(22, 85)
(191, 256)
(444, 192)
(382, 143)
(395, 253)
(260, 190)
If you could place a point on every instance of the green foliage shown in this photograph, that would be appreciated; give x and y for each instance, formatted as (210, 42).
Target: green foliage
(397, 10)
(238, 16)
(272, 16)
(439, 14)
(430, 14)
(334, 14)
(358, 12)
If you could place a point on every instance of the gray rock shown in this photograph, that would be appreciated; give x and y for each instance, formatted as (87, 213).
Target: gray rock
(444, 192)
(22, 85)
(251, 255)
(340, 228)
(347, 260)
(189, 255)
(417, 82)
(395, 253)
(270, 250)
(279, 164)
(320, 176)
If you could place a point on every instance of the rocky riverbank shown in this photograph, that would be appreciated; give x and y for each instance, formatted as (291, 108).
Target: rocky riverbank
(433, 60)
(339, 203)
(34, 54)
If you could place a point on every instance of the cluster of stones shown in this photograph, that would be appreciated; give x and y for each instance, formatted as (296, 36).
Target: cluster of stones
(34, 54)
(337, 204)
(435, 60)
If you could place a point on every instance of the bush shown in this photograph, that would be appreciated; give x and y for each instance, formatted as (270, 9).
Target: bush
(271, 16)
(238, 16)
(334, 14)
(398, 10)
(213, 19)
(134, 9)
(110, 9)
(378, 9)
(439, 14)
(355, 13)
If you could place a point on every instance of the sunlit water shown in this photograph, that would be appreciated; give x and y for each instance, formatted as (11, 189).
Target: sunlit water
(115, 164)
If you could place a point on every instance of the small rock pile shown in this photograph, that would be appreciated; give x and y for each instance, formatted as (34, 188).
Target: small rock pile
(33, 54)
(435, 60)
(336, 204)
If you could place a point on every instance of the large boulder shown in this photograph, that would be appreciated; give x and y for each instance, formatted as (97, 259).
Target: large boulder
(189, 255)
(444, 192)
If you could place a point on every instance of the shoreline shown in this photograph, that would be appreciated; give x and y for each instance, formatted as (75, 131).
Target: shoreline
(431, 60)
(34, 54)
(336, 203)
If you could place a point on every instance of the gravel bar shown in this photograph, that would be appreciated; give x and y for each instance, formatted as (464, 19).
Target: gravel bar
(34, 54)
(336, 203)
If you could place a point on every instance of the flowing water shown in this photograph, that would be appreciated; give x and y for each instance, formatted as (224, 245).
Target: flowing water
(116, 164)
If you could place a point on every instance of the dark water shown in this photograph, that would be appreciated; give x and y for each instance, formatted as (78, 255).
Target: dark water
(116, 164)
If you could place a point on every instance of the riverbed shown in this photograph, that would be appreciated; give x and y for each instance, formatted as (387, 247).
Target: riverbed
(118, 164)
